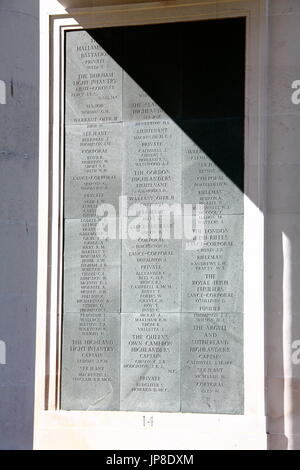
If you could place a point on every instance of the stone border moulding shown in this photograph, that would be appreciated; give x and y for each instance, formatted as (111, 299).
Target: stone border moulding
(57, 429)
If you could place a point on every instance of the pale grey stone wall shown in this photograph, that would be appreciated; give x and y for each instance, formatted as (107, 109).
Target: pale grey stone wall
(283, 227)
(19, 56)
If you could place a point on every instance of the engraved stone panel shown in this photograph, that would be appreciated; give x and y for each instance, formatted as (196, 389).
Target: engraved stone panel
(151, 275)
(152, 321)
(137, 104)
(205, 183)
(150, 362)
(152, 162)
(91, 269)
(93, 168)
(212, 363)
(212, 277)
(93, 82)
(90, 361)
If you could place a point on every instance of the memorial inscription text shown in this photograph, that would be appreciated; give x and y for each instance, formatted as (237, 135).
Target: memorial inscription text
(148, 325)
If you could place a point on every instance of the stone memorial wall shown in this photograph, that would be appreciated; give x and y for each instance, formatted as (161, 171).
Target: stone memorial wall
(148, 325)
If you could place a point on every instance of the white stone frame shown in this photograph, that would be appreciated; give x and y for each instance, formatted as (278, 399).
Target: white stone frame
(57, 429)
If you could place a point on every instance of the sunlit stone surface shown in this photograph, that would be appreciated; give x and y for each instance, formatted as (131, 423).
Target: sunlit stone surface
(151, 276)
(93, 82)
(150, 362)
(212, 363)
(91, 269)
(212, 278)
(90, 361)
(93, 169)
(152, 162)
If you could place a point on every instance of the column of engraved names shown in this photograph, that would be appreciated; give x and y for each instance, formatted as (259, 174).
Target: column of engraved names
(212, 290)
(91, 307)
(151, 272)
(152, 175)
(150, 362)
